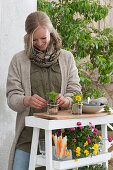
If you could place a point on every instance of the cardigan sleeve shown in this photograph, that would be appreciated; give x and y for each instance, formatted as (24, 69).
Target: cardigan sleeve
(14, 90)
(73, 80)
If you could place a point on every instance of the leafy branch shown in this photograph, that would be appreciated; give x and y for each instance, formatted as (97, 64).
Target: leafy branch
(74, 20)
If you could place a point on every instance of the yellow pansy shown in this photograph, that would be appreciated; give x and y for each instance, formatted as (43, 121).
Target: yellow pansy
(100, 137)
(68, 154)
(86, 143)
(86, 152)
(78, 149)
(95, 147)
(95, 152)
(78, 154)
(76, 160)
(78, 98)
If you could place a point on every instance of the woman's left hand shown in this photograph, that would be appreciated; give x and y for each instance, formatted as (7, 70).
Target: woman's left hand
(63, 101)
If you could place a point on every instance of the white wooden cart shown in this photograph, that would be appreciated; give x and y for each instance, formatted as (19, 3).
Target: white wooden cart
(65, 120)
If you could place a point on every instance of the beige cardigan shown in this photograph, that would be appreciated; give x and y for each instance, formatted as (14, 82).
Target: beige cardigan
(18, 86)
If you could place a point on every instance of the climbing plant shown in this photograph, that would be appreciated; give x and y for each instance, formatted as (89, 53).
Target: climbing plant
(74, 20)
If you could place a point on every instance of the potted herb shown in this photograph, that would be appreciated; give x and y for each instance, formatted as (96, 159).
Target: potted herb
(77, 105)
(107, 108)
(52, 107)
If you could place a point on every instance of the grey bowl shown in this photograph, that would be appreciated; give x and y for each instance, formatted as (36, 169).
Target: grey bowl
(91, 108)
(92, 104)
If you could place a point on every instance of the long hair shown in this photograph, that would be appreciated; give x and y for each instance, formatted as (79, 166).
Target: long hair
(33, 21)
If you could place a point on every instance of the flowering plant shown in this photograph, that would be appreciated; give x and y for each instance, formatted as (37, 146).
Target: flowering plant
(77, 97)
(82, 141)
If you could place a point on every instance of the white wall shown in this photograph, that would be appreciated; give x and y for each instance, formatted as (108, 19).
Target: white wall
(12, 17)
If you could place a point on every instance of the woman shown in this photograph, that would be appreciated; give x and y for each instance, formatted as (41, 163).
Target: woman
(42, 67)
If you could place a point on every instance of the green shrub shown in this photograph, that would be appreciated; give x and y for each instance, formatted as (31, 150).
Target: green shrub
(80, 36)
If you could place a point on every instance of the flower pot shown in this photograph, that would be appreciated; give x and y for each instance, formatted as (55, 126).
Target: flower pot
(52, 108)
(77, 108)
(64, 158)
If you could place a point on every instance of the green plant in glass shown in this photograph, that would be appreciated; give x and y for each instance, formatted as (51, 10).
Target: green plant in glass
(52, 105)
(77, 105)
(52, 96)
(77, 97)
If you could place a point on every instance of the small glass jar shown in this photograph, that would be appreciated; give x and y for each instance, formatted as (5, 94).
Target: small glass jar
(77, 108)
(52, 108)
(62, 157)
(42, 147)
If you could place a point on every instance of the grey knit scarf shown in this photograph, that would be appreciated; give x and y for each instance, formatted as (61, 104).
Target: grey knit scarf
(45, 58)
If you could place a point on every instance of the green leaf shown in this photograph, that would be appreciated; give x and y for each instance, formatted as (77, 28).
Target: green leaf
(52, 96)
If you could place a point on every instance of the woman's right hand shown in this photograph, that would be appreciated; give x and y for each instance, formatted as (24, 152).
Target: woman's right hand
(35, 101)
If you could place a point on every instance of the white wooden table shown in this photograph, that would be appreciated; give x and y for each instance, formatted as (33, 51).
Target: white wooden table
(49, 125)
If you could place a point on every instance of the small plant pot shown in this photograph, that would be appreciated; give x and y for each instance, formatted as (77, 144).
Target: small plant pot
(60, 158)
(52, 108)
(77, 108)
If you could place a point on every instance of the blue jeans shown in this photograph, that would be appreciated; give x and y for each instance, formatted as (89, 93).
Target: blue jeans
(21, 161)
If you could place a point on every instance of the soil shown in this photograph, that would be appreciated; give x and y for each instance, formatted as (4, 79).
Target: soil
(53, 111)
